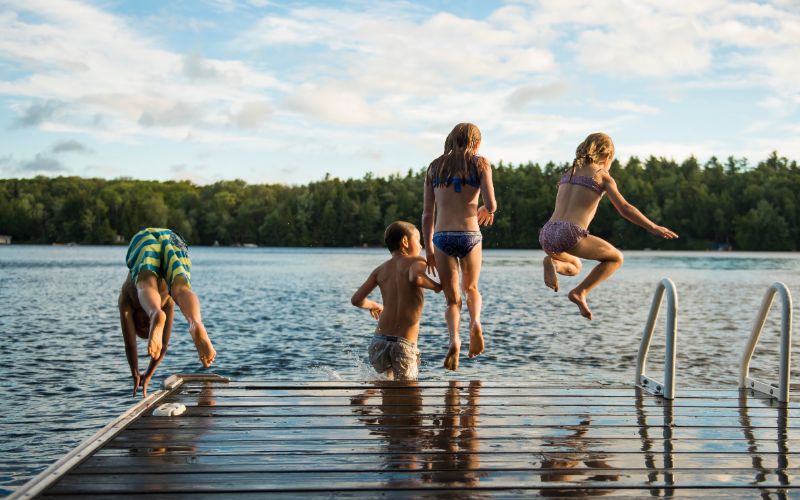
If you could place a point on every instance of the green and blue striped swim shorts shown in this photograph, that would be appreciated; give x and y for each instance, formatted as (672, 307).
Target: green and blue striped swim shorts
(163, 252)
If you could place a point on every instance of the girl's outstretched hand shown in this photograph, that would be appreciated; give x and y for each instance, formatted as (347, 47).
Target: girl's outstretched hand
(485, 218)
(664, 232)
(430, 263)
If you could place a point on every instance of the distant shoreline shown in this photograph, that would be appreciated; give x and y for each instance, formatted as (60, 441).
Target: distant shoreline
(649, 251)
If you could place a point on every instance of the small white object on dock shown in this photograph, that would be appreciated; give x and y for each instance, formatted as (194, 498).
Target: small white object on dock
(169, 410)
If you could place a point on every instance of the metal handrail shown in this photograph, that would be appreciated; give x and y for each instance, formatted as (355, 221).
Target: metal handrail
(665, 389)
(781, 391)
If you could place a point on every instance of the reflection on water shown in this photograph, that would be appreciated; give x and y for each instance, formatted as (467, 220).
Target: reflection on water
(664, 427)
(285, 314)
(576, 466)
(444, 450)
(764, 473)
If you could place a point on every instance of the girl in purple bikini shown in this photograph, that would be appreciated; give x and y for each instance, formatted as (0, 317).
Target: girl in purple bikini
(566, 239)
(451, 227)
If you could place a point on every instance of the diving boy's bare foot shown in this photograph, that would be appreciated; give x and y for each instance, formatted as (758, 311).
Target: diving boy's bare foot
(550, 276)
(205, 350)
(475, 339)
(157, 322)
(451, 360)
(579, 298)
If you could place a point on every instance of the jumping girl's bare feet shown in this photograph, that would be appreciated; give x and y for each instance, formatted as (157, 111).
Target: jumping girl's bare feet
(475, 339)
(579, 298)
(451, 360)
(550, 276)
(157, 322)
(205, 350)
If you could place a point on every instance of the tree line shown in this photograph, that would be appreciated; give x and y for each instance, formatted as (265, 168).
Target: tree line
(717, 204)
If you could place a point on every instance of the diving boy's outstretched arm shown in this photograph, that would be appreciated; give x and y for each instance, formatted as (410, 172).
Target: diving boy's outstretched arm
(417, 276)
(169, 310)
(632, 213)
(129, 337)
(360, 299)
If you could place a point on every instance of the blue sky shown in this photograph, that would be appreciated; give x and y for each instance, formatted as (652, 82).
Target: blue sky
(271, 91)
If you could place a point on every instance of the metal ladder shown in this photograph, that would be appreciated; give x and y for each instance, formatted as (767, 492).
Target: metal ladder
(665, 389)
(781, 391)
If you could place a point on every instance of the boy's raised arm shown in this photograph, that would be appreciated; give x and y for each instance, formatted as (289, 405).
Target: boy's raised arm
(169, 310)
(632, 213)
(417, 276)
(359, 299)
(129, 337)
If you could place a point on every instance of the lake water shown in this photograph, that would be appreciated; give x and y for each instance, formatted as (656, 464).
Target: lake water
(286, 314)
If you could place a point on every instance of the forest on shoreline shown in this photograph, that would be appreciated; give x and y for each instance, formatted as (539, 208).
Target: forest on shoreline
(719, 204)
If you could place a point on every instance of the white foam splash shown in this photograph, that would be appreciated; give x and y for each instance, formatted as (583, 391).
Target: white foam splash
(357, 369)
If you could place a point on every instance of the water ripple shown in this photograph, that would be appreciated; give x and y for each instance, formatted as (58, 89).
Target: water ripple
(285, 314)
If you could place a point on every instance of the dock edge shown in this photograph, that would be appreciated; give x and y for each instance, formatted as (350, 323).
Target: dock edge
(56, 471)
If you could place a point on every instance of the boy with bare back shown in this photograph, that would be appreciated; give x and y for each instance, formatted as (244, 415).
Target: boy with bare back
(401, 280)
(158, 260)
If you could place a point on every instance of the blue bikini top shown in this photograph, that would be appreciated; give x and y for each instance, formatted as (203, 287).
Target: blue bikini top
(473, 180)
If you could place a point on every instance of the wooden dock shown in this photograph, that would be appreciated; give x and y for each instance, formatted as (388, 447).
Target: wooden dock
(435, 440)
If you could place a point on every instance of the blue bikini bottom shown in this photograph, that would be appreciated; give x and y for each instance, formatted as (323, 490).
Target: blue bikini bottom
(456, 243)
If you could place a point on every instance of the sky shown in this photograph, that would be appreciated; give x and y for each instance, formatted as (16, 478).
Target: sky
(286, 92)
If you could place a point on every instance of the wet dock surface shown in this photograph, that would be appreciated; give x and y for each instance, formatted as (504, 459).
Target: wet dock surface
(446, 440)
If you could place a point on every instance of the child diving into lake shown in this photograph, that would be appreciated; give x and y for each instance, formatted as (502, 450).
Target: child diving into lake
(451, 222)
(565, 237)
(158, 260)
(401, 280)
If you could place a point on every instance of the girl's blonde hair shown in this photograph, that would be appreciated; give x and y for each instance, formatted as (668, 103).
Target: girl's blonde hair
(459, 148)
(595, 148)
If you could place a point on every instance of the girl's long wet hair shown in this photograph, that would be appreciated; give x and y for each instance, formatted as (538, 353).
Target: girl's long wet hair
(593, 149)
(459, 148)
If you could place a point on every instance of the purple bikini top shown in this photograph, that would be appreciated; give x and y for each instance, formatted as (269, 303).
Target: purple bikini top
(582, 180)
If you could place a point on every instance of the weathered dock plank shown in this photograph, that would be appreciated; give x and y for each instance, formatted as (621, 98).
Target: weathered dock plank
(445, 440)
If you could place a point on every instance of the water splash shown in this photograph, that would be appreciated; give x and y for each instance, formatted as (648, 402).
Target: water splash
(356, 368)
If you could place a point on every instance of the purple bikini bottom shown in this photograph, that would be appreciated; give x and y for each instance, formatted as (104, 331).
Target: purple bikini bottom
(559, 236)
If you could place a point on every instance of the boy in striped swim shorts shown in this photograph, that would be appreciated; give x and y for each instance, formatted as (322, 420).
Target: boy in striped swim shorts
(159, 277)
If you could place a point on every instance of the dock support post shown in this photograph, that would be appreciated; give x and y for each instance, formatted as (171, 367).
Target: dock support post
(666, 389)
(781, 391)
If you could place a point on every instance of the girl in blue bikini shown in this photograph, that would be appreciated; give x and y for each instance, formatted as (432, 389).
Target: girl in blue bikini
(451, 227)
(566, 239)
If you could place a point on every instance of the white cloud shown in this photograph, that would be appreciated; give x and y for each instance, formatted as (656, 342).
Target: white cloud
(251, 114)
(69, 146)
(381, 84)
(90, 71)
(520, 97)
